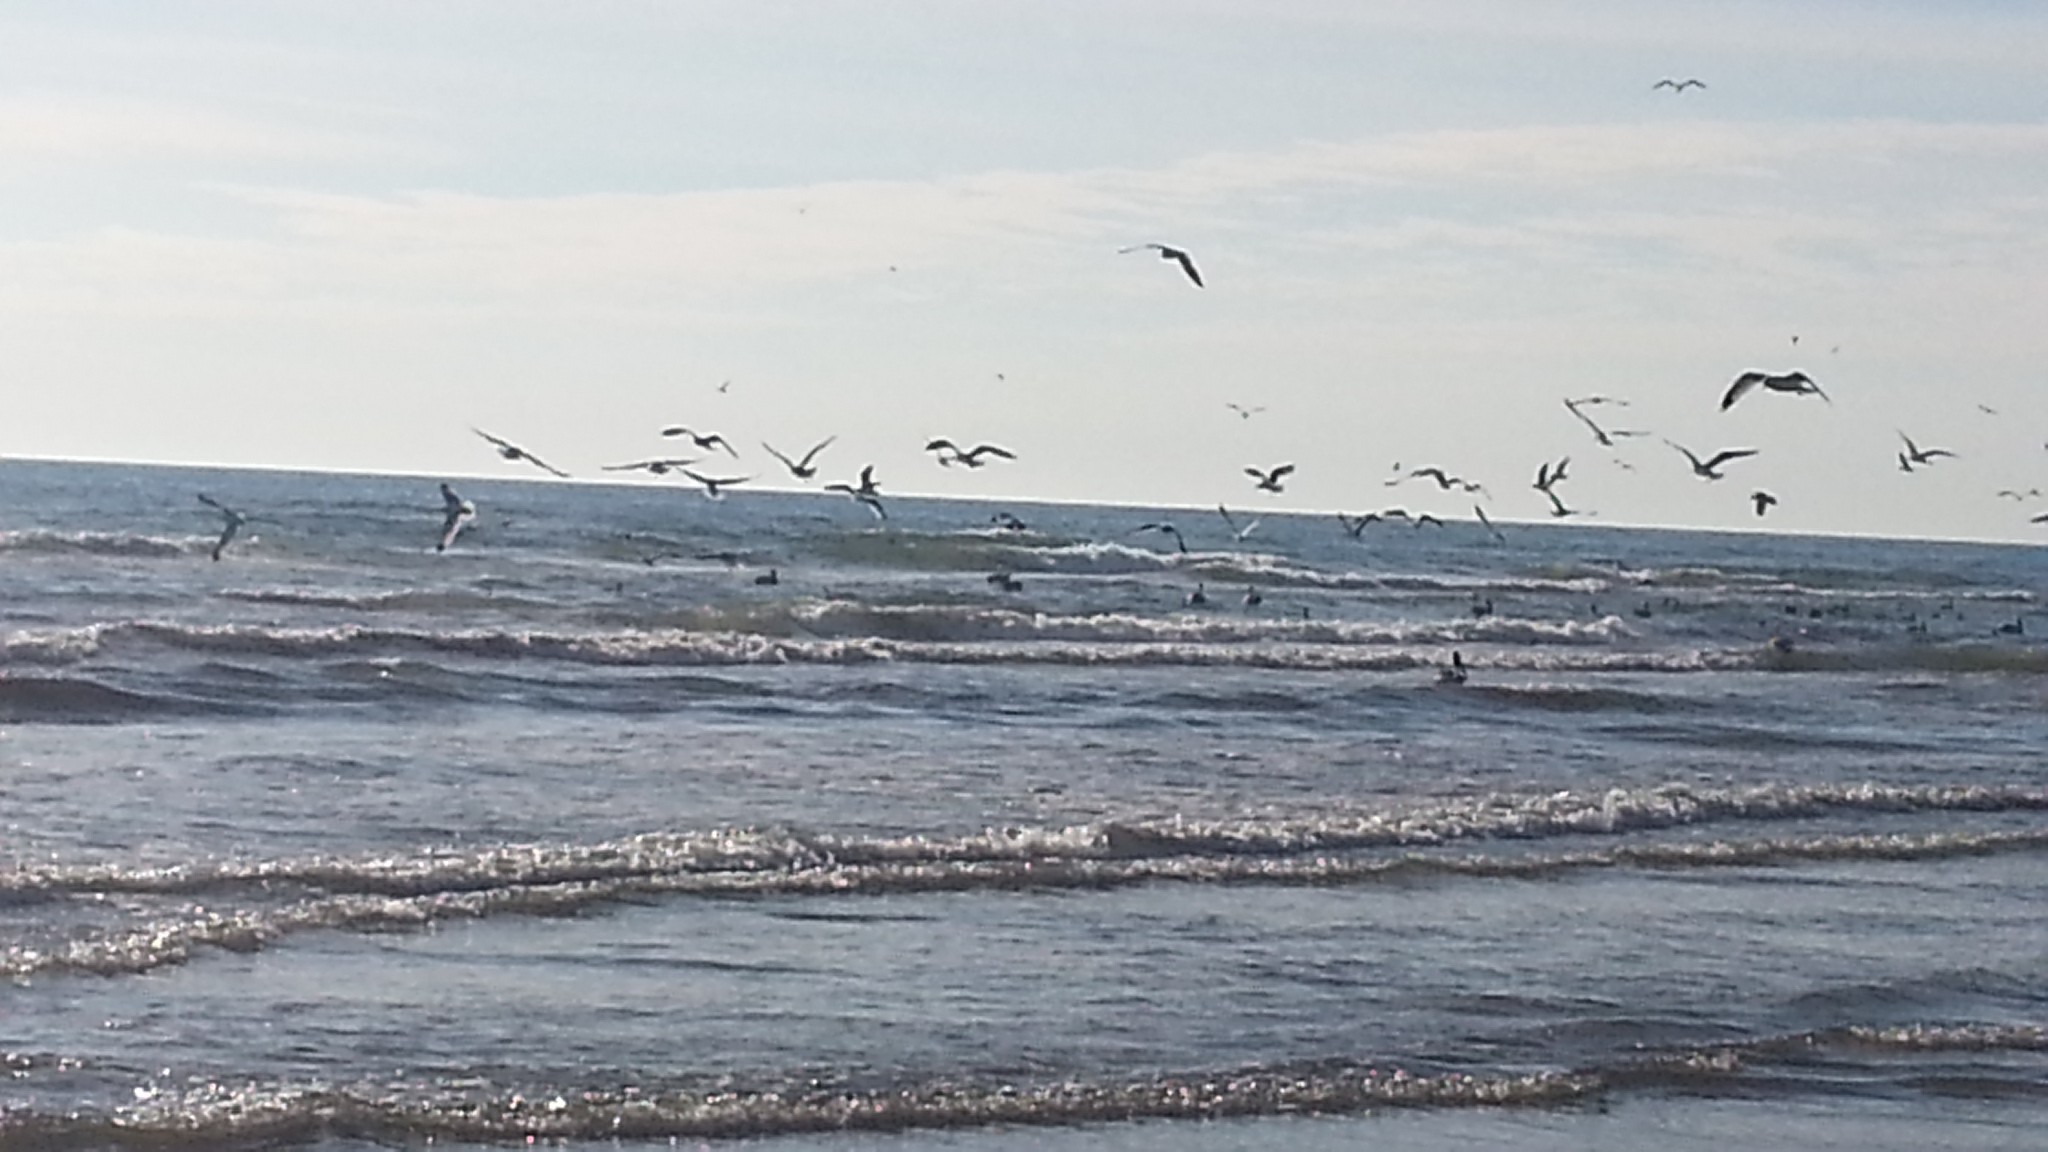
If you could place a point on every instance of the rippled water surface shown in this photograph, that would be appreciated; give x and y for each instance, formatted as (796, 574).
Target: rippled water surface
(577, 830)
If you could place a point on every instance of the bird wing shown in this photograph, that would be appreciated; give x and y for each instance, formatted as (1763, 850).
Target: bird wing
(1667, 82)
(1688, 453)
(543, 465)
(991, 450)
(1228, 519)
(721, 442)
(677, 430)
(1282, 470)
(941, 445)
(786, 461)
(1737, 390)
(1598, 432)
(500, 442)
(1726, 455)
(1481, 513)
(1255, 474)
(820, 446)
(1187, 265)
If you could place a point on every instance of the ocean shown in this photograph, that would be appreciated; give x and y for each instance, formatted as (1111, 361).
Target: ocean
(579, 833)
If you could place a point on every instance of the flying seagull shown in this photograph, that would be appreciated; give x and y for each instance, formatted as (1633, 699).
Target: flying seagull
(1355, 525)
(1762, 500)
(511, 451)
(653, 467)
(1243, 412)
(231, 522)
(1679, 86)
(1164, 528)
(1707, 470)
(1269, 481)
(1797, 383)
(2029, 494)
(949, 453)
(801, 469)
(1495, 532)
(1166, 252)
(713, 484)
(457, 513)
(706, 441)
(1923, 456)
(1546, 478)
(1238, 532)
(867, 492)
(1602, 435)
(1444, 480)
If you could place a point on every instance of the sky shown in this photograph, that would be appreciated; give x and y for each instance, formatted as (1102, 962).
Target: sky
(339, 236)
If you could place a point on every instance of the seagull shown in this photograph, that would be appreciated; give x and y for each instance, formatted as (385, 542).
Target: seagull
(1443, 479)
(1602, 435)
(1164, 528)
(457, 514)
(1594, 401)
(231, 522)
(867, 492)
(1557, 507)
(1354, 525)
(712, 484)
(1481, 513)
(1797, 383)
(971, 457)
(1243, 412)
(1922, 456)
(1762, 500)
(1680, 86)
(1269, 481)
(1987, 409)
(1186, 262)
(1546, 478)
(1707, 470)
(511, 451)
(706, 441)
(2029, 494)
(1905, 465)
(801, 469)
(1239, 533)
(656, 467)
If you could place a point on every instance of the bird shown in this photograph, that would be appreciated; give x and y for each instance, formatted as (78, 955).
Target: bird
(231, 522)
(1547, 478)
(867, 493)
(713, 484)
(1355, 525)
(1762, 500)
(949, 453)
(2041, 519)
(1987, 409)
(1239, 533)
(1252, 596)
(1677, 86)
(1198, 598)
(511, 451)
(2018, 627)
(1243, 412)
(457, 513)
(1557, 507)
(1009, 522)
(1167, 252)
(1905, 465)
(768, 579)
(707, 440)
(1797, 383)
(1425, 520)
(655, 467)
(1456, 673)
(1707, 470)
(1592, 401)
(1006, 582)
(1269, 481)
(1481, 513)
(1923, 456)
(801, 469)
(1602, 435)
(1165, 529)
(1444, 480)
(2029, 494)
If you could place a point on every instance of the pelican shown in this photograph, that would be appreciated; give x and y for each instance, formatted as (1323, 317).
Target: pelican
(707, 440)
(1797, 383)
(511, 451)
(1678, 86)
(456, 514)
(971, 457)
(1164, 528)
(1923, 456)
(1269, 481)
(867, 492)
(1602, 435)
(1238, 532)
(1707, 470)
(1186, 262)
(1762, 500)
(654, 467)
(801, 469)
(1243, 412)
(231, 522)
(713, 484)
(1481, 513)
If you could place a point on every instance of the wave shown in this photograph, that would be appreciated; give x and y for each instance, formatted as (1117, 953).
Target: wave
(405, 600)
(67, 700)
(46, 541)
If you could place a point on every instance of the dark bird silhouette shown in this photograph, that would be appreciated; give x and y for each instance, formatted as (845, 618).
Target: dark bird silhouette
(714, 486)
(511, 451)
(1548, 478)
(456, 514)
(1355, 525)
(1269, 481)
(1708, 469)
(231, 522)
(1796, 383)
(768, 579)
(1238, 533)
(2029, 494)
(1166, 529)
(1186, 262)
(707, 440)
(1198, 598)
(1602, 435)
(949, 453)
(1923, 456)
(1009, 522)
(1456, 673)
(1557, 507)
(1677, 86)
(801, 469)
(1005, 581)
(1243, 412)
(867, 492)
(1494, 532)
(1762, 500)
(2041, 519)
(656, 467)
(1905, 465)
(1444, 480)
(1426, 520)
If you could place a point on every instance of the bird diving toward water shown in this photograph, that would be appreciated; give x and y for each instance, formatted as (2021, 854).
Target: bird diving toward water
(1239, 533)
(1922, 456)
(456, 515)
(1602, 435)
(706, 441)
(1166, 529)
(1679, 86)
(1166, 252)
(652, 467)
(1709, 468)
(866, 493)
(1762, 500)
(231, 522)
(511, 451)
(1269, 481)
(714, 485)
(948, 453)
(801, 469)
(1495, 532)
(1796, 383)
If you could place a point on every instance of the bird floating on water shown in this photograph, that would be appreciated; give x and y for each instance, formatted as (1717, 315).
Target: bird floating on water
(1269, 480)
(801, 469)
(1167, 252)
(231, 522)
(1709, 469)
(1456, 673)
(1796, 383)
(457, 513)
(511, 451)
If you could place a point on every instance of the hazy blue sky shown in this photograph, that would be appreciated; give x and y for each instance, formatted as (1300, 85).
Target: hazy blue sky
(335, 235)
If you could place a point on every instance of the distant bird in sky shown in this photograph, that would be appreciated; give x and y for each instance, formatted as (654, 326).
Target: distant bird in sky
(1593, 401)
(456, 514)
(714, 486)
(1444, 480)
(1167, 252)
(1243, 412)
(801, 469)
(511, 451)
(1602, 435)
(1239, 533)
(867, 492)
(1797, 383)
(1270, 481)
(707, 441)
(1166, 529)
(2029, 494)
(1677, 86)
(654, 467)
(231, 522)
(2041, 519)
(1923, 456)
(1547, 478)
(949, 453)
(1491, 530)
(1762, 500)
(1987, 409)
(1708, 469)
